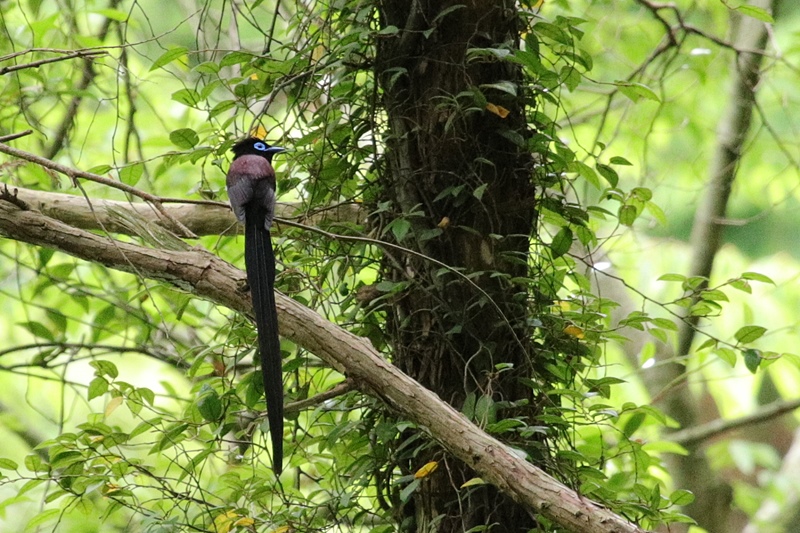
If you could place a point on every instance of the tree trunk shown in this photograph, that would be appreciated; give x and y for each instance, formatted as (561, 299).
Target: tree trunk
(458, 179)
(711, 508)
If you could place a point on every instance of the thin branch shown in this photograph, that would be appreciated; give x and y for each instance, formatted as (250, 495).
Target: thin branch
(14, 136)
(698, 434)
(339, 390)
(73, 174)
(88, 54)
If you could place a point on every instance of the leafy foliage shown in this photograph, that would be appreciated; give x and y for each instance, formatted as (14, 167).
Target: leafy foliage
(151, 411)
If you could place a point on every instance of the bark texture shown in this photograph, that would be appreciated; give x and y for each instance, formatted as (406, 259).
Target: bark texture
(458, 179)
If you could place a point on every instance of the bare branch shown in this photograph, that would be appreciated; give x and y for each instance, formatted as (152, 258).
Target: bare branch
(35, 64)
(13, 136)
(698, 434)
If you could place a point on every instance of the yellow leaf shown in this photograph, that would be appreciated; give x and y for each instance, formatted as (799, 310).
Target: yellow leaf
(443, 223)
(574, 331)
(472, 482)
(426, 470)
(259, 131)
(223, 523)
(112, 405)
(254, 76)
(540, 3)
(318, 53)
(498, 110)
(244, 522)
(282, 529)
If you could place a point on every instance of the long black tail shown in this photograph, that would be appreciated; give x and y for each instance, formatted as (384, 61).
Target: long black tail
(260, 262)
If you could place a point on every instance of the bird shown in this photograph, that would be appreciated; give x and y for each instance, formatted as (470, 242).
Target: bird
(251, 191)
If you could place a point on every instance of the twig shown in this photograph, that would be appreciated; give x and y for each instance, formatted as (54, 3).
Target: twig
(73, 174)
(14, 136)
(35, 64)
(342, 388)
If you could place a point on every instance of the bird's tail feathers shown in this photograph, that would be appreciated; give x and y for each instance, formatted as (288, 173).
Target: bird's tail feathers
(260, 261)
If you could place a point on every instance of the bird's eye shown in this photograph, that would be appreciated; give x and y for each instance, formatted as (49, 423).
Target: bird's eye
(260, 147)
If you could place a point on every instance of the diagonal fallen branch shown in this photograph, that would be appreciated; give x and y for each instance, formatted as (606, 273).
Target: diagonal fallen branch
(207, 276)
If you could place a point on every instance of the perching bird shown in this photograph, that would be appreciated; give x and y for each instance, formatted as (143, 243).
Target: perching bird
(251, 190)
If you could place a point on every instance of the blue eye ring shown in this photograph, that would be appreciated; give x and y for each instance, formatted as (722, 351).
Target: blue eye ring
(261, 147)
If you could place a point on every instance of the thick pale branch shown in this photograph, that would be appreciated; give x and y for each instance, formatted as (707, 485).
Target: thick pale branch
(201, 218)
(209, 277)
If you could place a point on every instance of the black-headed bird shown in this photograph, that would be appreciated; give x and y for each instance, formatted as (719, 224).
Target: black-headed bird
(251, 190)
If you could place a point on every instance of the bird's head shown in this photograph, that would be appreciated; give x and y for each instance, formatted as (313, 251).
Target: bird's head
(255, 146)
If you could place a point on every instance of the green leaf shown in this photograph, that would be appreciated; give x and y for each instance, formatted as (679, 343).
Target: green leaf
(210, 406)
(42, 518)
(681, 497)
(552, 31)
(187, 97)
(617, 160)
(113, 14)
(636, 91)
(587, 173)
(100, 169)
(714, 295)
(748, 334)
(388, 31)
(221, 108)
(406, 493)
(184, 138)
(673, 277)
(8, 464)
(234, 58)
(657, 213)
(752, 360)
(169, 56)
(97, 387)
(561, 242)
(727, 355)
(627, 215)
(37, 329)
(479, 190)
(400, 227)
(665, 323)
(207, 67)
(755, 276)
(131, 174)
(609, 174)
(632, 424)
(503, 86)
(756, 13)
(104, 368)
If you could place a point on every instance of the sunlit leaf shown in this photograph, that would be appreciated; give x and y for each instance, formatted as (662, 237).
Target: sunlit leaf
(168, 57)
(749, 334)
(426, 470)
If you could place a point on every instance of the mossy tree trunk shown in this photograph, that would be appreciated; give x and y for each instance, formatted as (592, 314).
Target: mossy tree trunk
(459, 190)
